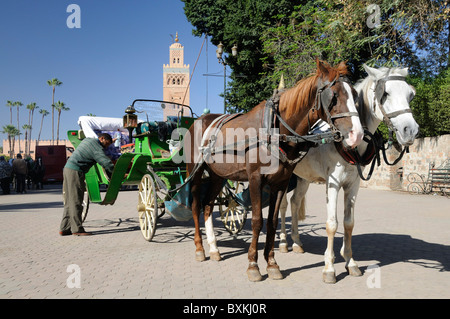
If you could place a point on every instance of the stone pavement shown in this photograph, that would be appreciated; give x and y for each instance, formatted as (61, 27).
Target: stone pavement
(401, 243)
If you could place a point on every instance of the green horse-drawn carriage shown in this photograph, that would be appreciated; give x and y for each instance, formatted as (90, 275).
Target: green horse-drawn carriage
(153, 160)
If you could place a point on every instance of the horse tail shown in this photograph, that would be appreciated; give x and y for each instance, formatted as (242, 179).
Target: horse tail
(301, 212)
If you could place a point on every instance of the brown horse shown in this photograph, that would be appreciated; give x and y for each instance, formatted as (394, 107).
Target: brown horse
(298, 108)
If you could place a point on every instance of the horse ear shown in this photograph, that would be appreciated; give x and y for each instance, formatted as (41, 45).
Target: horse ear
(342, 68)
(322, 68)
(372, 71)
(281, 85)
(342, 65)
(368, 69)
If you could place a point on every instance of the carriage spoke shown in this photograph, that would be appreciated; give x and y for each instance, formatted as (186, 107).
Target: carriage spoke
(233, 216)
(147, 207)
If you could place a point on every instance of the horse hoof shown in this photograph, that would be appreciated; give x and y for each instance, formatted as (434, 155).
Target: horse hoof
(215, 255)
(200, 256)
(274, 272)
(329, 277)
(298, 249)
(354, 271)
(283, 248)
(253, 274)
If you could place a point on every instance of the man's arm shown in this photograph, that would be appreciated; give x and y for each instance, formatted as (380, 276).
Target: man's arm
(101, 158)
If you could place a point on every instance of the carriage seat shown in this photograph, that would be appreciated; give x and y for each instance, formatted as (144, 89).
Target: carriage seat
(164, 129)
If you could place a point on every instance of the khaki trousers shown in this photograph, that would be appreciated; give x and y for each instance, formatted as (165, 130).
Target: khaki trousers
(74, 187)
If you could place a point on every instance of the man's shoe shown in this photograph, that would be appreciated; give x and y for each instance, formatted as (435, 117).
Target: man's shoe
(82, 234)
(65, 232)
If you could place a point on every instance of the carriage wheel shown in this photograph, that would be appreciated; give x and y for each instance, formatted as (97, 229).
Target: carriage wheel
(147, 207)
(85, 206)
(233, 215)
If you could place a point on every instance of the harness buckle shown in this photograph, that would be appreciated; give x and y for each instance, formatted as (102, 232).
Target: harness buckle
(337, 136)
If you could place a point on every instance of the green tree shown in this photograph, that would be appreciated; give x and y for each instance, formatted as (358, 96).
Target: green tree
(53, 83)
(309, 34)
(240, 23)
(431, 106)
(18, 104)
(10, 104)
(44, 113)
(31, 107)
(59, 106)
(402, 32)
(284, 38)
(27, 129)
(11, 131)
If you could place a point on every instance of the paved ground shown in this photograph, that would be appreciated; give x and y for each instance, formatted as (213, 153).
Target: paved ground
(404, 237)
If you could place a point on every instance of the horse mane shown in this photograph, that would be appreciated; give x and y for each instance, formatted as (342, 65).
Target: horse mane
(303, 94)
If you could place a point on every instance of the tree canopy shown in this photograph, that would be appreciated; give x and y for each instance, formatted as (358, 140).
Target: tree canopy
(278, 37)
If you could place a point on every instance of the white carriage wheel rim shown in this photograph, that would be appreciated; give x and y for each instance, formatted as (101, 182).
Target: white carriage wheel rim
(147, 207)
(232, 216)
(85, 205)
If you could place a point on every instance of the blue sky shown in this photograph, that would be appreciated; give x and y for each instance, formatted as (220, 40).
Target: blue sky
(115, 57)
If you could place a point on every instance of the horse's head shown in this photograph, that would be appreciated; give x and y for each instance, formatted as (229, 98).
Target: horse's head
(389, 97)
(335, 99)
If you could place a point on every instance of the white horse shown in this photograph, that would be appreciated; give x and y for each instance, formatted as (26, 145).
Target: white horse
(383, 95)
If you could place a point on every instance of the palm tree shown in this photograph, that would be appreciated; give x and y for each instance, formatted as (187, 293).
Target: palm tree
(44, 113)
(59, 106)
(11, 131)
(27, 129)
(15, 133)
(18, 104)
(53, 83)
(31, 107)
(10, 104)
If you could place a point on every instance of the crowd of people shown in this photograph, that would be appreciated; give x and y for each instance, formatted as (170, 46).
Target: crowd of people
(21, 174)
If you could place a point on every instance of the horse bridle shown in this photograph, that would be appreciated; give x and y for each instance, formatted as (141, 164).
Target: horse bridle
(377, 139)
(324, 98)
(380, 97)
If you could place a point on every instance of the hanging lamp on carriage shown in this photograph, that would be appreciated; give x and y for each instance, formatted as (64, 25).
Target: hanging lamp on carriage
(130, 120)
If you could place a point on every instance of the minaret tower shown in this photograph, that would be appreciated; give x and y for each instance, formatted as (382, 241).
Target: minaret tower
(175, 80)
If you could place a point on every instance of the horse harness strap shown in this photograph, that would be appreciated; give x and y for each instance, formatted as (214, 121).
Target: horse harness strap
(352, 156)
(371, 155)
(271, 114)
(324, 97)
(269, 123)
(214, 127)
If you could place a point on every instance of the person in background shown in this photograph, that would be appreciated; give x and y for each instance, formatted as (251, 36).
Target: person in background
(117, 140)
(39, 170)
(89, 152)
(20, 169)
(5, 175)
